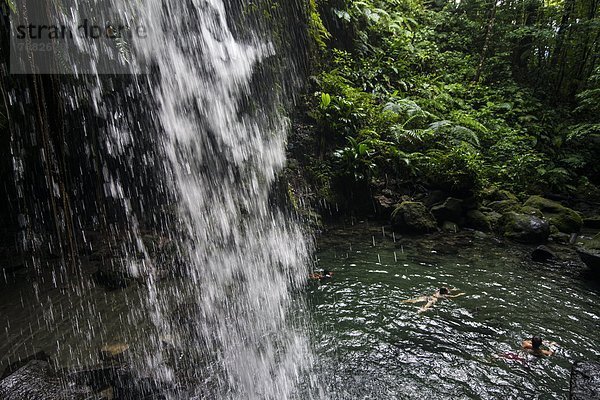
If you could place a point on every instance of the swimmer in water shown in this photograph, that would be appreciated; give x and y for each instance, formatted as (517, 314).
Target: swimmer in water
(441, 293)
(534, 346)
(319, 276)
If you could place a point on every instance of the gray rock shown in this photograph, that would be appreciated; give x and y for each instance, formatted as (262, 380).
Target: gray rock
(524, 228)
(12, 368)
(480, 235)
(585, 381)
(35, 381)
(561, 237)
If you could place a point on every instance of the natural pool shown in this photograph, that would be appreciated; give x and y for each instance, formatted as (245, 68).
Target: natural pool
(373, 346)
(370, 345)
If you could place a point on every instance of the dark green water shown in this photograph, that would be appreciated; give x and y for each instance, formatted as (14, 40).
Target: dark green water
(373, 346)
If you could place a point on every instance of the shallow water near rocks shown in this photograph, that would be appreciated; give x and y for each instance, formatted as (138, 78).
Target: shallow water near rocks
(373, 346)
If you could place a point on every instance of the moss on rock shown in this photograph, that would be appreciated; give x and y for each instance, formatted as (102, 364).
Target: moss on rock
(563, 218)
(477, 220)
(413, 217)
(525, 228)
(504, 206)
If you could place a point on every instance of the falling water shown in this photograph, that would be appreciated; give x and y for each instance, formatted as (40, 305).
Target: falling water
(229, 314)
(243, 257)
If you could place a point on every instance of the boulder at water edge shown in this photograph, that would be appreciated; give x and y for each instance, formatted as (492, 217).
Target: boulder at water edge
(450, 210)
(413, 217)
(479, 221)
(542, 254)
(585, 381)
(590, 253)
(34, 381)
(525, 228)
(564, 218)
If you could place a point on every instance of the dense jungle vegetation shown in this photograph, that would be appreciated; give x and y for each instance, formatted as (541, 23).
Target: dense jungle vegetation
(454, 95)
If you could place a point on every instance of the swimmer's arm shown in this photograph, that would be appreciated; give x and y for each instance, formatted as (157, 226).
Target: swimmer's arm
(455, 295)
(547, 352)
(527, 344)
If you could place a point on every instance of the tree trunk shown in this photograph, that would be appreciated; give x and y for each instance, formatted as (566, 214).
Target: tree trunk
(486, 44)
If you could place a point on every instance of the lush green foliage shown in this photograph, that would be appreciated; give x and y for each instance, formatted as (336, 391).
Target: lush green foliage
(460, 95)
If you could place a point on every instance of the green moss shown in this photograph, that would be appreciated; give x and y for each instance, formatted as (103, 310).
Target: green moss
(565, 219)
(594, 243)
(504, 206)
(478, 220)
(316, 29)
(525, 228)
(532, 211)
(413, 217)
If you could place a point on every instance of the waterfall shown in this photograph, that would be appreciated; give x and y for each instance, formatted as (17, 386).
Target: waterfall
(243, 256)
(226, 322)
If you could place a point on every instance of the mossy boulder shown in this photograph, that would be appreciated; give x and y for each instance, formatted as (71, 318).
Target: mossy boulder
(504, 206)
(494, 218)
(594, 243)
(524, 228)
(413, 217)
(531, 211)
(564, 218)
(477, 220)
(495, 194)
(590, 253)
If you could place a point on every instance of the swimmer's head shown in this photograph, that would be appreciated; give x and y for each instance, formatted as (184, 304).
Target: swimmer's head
(444, 290)
(536, 342)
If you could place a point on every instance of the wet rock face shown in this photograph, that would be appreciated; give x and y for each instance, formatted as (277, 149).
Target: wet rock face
(585, 381)
(34, 381)
(14, 367)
